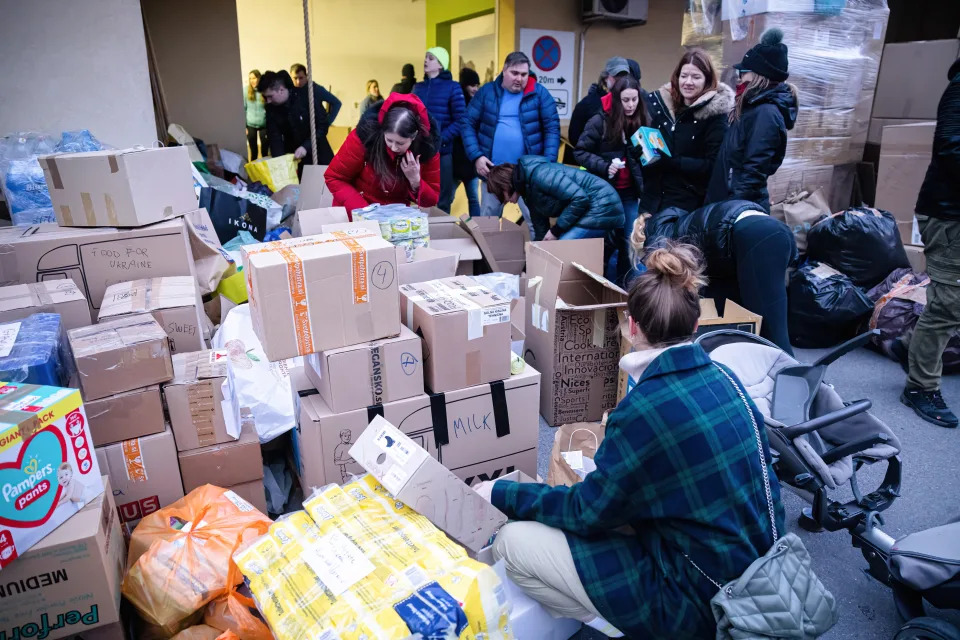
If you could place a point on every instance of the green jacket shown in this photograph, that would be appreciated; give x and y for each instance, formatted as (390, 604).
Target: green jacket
(574, 197)
(256, 110)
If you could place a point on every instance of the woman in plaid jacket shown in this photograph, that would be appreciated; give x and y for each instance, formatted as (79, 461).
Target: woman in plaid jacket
(678, 482)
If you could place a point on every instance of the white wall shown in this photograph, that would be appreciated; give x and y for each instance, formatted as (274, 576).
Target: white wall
(75, 65)
(352, 41)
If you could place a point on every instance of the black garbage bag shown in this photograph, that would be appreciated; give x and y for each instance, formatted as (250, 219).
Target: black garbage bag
(824, 306)
(898, 302)
(860, 242)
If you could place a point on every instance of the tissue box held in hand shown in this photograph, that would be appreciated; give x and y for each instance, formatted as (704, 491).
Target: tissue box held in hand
(651, 144)
(32, 350)
(48, 471)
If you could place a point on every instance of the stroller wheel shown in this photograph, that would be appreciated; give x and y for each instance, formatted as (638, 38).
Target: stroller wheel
(927, 629)
(807, 523)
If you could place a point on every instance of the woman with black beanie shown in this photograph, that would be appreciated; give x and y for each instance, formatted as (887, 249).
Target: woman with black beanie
(764, 110)
(463, 169)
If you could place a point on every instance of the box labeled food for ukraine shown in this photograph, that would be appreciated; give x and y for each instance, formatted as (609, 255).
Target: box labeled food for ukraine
(322, 292)
(47, 468)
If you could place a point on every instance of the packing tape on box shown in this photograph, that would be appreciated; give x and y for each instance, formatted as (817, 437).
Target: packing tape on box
(133, 461)
(438, 413)
(446, 298)
(538, 315)
(599, 323)
(38, 296)
(201, 403)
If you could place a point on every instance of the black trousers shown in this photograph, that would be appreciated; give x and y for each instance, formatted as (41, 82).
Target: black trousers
(252, 141)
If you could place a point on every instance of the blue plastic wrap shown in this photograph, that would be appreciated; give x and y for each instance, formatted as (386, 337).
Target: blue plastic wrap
(38, 354)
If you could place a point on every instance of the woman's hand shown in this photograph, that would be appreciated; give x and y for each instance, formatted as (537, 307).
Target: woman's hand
(550, 236)
(410, 165)
(483, 166)
(300, 153)
(612, 170)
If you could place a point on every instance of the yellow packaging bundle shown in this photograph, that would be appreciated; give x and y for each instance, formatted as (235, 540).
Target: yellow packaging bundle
(356, 564)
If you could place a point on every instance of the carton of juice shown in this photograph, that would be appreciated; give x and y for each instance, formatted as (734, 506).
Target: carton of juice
(48, 470)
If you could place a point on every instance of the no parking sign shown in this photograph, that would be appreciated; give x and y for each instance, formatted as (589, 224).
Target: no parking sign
(551, 54)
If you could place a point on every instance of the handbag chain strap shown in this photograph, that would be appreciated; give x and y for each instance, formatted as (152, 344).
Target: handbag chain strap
(763, 468)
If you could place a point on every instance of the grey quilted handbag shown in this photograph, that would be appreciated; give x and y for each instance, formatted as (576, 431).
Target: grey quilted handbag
(779, 595)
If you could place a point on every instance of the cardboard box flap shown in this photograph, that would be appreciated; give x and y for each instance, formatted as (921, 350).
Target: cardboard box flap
(313, 187)
(907, 139)
(115, 334)
(501, 242)
(311, 221)
(573, 295)
(199, 365)
(588, 252)
(149, 294)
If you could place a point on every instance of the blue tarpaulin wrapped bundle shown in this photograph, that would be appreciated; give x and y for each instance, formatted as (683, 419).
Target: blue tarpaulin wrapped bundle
(32, 350)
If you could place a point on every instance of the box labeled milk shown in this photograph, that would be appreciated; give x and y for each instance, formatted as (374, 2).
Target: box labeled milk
(48, 471)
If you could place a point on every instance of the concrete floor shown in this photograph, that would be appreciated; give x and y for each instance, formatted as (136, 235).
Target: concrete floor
(931, 492)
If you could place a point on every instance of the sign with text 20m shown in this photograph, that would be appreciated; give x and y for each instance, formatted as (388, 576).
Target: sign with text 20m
(551, 56)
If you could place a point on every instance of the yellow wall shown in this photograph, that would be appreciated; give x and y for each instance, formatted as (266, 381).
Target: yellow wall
(352, 41)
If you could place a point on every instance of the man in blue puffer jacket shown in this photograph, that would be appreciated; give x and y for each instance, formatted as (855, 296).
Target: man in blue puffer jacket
(443, 97)
(508, 118)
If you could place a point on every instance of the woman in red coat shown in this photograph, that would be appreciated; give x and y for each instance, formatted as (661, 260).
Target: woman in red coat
(390, 158)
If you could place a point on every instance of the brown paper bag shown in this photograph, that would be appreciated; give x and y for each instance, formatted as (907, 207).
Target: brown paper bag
(801, 211)
(211, 260)
(579, 436)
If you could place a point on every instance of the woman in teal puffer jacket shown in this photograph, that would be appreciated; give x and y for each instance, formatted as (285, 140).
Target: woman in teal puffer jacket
(584, 205)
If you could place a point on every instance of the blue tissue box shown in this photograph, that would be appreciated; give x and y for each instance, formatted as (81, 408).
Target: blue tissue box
(32, 351)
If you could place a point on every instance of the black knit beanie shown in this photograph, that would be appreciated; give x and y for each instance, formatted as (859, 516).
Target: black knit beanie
(468, 77)
(768, 58)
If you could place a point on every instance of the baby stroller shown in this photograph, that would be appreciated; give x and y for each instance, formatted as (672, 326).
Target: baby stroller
(819, 442)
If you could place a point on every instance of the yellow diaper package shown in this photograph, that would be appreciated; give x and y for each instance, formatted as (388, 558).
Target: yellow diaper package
(356, 564)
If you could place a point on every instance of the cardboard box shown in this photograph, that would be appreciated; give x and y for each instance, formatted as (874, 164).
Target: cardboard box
(501, 243)
(447, 234)
(368, 374)
(912, 78)
(479, 433)
(572, 329)
(465, 329)
(321, 292)
(53, 296)
(94, 258)
(918, 261)
(223, 465)
(144, 475)
(194, 399)
(517, 315)
(112, 631)
(48, 470)
(253, 492)
(733, 317)
(127, 188)
(407, 471)
(125, 416)
(485, 555)
(905, 154)
(313, 188)
(310, 222)
(120, 355)
(427, 264)
(875, 130)
(69, 582)
(173, 301)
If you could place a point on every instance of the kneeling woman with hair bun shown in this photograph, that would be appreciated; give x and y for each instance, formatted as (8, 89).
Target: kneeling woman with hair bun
(678, 481)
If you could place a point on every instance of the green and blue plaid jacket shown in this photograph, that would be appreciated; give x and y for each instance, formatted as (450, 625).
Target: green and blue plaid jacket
(679, 464)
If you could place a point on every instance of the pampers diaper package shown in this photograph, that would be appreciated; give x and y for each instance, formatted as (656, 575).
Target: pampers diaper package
(48, 470)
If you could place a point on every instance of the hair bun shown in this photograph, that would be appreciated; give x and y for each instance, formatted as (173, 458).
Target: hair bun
(678, 264)
(772, 36)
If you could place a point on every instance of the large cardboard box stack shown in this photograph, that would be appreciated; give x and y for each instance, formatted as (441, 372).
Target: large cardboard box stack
(905, 154)
(174, 302)
(572, 329)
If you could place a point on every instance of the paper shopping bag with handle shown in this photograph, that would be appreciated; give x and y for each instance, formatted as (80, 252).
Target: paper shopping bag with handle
(574, 448)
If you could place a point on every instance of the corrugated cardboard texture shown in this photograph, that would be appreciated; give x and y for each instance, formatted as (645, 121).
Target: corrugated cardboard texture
(223, 465)
(427, 264)
(93, 258)
(483, 431)
(174, 302)
(465, 329)
(124, 416)
(905, 153)
(500, 241)
(368, 374)
(321, 292)
(144, 475)
(120, 355)
(128, 188)
(52, 296)
(308, 222)
(70, 581)
(912, 78)
(194, 399)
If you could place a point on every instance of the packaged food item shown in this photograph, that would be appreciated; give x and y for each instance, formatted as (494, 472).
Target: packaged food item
(397, 222)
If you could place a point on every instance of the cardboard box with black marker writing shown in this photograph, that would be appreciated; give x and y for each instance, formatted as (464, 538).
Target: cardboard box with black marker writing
(572, 329)
(479, 433)
(322, 292)
(368, 374)
(223, 465)
(126, 415)
(194, 399)
(120, 355)
(144, 475)
(126, 188)
(174, 302)
(465, 329)
(411, 475)
(94, 258)
(53, 296)
(69, 582)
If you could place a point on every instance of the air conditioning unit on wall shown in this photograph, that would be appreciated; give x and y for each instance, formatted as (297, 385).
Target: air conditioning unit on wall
(633, 11)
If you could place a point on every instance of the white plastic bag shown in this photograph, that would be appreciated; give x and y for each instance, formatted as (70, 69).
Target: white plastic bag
(259, 390)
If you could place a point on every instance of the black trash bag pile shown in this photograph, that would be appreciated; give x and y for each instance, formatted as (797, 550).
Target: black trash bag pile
(825, 307)
(898, 302)
(861, 242)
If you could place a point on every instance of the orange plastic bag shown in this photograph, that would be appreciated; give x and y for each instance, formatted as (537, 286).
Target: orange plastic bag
(179, 557)
(232, 613)
(204, 632)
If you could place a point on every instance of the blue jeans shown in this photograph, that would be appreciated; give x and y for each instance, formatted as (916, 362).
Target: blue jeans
(448, 186)
(471, 187)
(631, 208)
(579, 233)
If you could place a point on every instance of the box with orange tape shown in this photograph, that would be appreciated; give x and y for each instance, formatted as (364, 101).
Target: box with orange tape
(321, 292)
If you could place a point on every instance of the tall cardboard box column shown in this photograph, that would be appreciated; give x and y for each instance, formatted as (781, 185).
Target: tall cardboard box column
(572, 329)
(322, 292)
(195, 399)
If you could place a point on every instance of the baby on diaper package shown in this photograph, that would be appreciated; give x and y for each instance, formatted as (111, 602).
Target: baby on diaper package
(48, 470)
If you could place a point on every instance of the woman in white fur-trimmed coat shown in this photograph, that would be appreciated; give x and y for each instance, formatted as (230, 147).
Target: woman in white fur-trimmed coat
(691, 111)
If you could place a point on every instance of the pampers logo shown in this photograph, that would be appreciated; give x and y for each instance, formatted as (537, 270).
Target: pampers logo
(31, 488)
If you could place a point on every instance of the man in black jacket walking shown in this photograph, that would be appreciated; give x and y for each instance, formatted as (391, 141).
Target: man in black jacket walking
(288, 117)
(938, 216)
